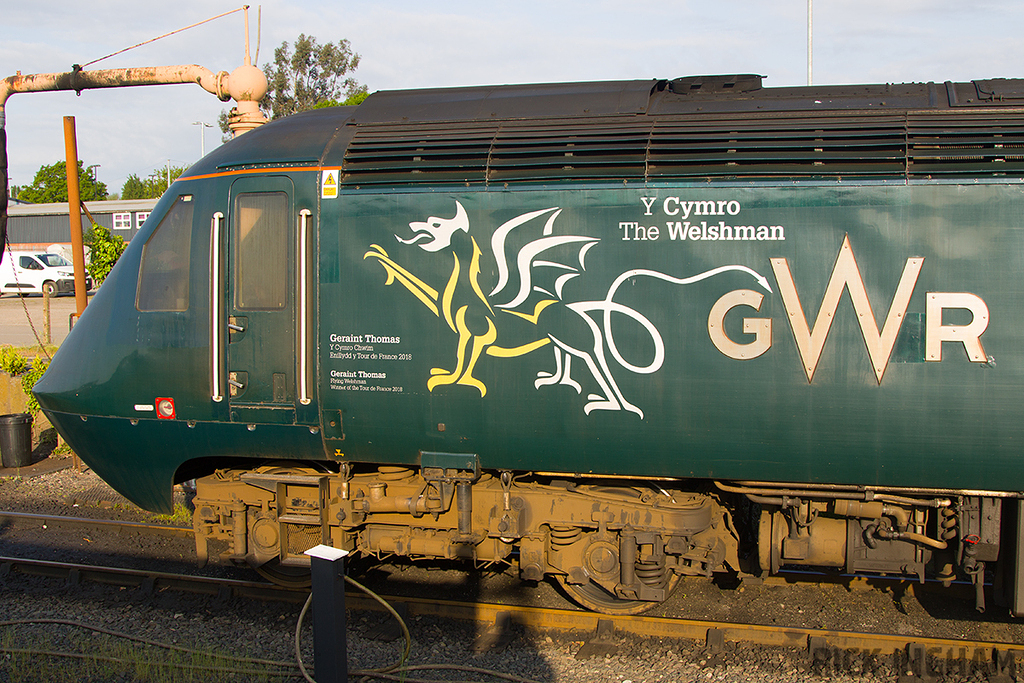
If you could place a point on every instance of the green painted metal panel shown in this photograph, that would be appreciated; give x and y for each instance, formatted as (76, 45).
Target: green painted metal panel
(119, 361)
(428, 299)
(260, 300)
(140, 458)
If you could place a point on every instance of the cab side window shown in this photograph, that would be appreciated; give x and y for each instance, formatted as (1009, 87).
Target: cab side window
(29, 263)
(261, 258)
(164, 271)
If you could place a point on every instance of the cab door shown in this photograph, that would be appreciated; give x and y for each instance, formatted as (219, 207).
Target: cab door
(261, 303)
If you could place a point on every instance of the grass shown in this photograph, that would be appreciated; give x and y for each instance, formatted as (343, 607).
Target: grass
(182, 516)
(32, 349)
(30, 654)
(62, 449)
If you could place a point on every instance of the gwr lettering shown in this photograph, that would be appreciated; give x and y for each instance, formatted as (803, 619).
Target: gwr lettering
(810, 338)
(969, 335)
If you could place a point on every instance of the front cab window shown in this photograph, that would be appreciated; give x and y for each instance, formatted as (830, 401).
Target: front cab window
(164, 271)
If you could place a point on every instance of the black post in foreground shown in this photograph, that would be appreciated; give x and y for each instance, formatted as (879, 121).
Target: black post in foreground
(330, 651)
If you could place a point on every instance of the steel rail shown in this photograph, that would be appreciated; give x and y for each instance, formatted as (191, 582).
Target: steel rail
(97, 523)
(533, 618)
(692, 629)
(150, 581)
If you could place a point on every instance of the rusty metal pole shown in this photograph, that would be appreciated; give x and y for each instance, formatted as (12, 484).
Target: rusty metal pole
(75, 213)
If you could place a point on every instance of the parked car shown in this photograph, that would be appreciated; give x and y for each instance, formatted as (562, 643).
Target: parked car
(25, 272)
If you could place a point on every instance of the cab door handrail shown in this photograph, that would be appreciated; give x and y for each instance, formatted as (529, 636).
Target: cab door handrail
(303, 298)
(216, 302)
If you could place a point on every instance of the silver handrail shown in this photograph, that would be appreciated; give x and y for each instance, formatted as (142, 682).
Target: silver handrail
(216, 299)
(304, 398)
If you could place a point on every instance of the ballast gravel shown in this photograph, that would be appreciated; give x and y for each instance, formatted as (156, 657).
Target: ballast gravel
(265, 630)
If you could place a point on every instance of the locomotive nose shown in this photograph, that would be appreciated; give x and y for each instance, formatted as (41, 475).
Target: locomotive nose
(95, 369)
(78, 365)
(87, 394)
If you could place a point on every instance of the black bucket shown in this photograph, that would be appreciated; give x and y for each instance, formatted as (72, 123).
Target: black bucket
(16, 440)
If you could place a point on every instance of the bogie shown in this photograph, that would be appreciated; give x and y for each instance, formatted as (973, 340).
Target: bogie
(628, 544)
(620, 549)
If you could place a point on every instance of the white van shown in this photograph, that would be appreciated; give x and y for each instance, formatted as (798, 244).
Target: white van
(35, 272)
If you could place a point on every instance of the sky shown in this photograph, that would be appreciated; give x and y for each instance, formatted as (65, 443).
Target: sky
(416, 44)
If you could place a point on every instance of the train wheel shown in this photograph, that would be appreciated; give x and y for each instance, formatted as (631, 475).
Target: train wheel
(285, 576)
(594, 597)
(596, 560)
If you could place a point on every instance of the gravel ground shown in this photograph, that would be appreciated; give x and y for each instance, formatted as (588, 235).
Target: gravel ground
(266, 630)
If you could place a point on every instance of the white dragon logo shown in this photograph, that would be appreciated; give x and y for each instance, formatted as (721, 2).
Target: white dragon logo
(522, 290)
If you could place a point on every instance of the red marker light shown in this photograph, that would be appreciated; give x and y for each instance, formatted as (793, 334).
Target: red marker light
(165, 408)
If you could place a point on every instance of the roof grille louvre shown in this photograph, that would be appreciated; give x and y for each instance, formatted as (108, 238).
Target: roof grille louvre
(959, 144)
(695, 146)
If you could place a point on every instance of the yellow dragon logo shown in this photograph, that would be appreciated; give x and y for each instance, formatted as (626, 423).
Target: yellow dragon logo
(522, 290)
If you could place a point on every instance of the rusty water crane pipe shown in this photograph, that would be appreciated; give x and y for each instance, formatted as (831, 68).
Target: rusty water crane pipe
(246, 85)
(79, 80)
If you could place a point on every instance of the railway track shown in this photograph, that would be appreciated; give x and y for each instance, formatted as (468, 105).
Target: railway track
(495, 620)
(784, 578)
(826, 648)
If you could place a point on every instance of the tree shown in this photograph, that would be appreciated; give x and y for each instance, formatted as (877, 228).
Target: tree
(153, 186)
(311, 74)
(311, 77)
(104, 250)
(350, 100)
(51, 185)
(134, 188)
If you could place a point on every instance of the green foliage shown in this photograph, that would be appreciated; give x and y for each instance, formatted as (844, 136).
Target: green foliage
(312, 77)
(349, 101)
(104, 250)
(153, 186)
(134, 188)
(181, 516)
(311, 74)
(51, 185)
(11, 361)
(29, 379)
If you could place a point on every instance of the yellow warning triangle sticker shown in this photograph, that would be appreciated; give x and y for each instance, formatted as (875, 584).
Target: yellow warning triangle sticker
(329, 184)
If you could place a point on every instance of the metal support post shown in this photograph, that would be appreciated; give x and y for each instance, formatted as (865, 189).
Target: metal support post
(330, 651)
(47, 337)
(75, 213)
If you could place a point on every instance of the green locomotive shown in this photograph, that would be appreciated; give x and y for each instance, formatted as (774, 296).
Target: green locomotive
(611, 333)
